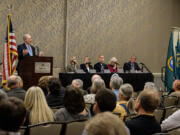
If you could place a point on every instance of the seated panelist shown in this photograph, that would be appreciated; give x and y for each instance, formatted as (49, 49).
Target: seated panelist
(112, 66)
(100, 66)
(73, 66)
(131, 65)
(86, 66)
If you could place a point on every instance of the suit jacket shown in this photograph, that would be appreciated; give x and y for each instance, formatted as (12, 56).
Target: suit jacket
(20, 49)
(97, 66)
(127, 66)
(83, 67)
(17, 92)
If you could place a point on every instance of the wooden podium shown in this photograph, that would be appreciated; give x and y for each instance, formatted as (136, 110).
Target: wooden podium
(32, 68)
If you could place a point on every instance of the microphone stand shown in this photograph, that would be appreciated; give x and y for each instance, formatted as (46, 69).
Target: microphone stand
(144, 66)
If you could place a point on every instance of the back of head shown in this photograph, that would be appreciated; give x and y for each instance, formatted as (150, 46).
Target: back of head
(97, 85)
(73, 100)
(150, 85)
(20, 81)
(54, 85)
(78, 83)
(12, 114)
(35, 102)
(94, 77)
(12, 81)
(149, 100)
(116, 81)
(43, 83)
(106, 100)
(176, 85)
(126, 90)
(105, 124)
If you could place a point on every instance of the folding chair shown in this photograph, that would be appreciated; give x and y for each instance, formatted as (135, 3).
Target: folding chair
(170, 110)
(75, 127)
(158, 114)
(47, 128)
(170, 101)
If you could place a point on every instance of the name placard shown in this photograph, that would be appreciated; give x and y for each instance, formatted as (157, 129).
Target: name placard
(42, 67)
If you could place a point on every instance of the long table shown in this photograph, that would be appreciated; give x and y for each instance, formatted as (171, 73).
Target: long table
(137, 80)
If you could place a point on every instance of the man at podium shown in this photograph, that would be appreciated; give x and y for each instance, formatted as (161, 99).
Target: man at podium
(26, 49)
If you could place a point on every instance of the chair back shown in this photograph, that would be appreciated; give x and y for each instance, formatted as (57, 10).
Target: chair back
(158, 114)
(170, 101)
(170, 110)
(48, 128)
(175, 132)
(75, 128)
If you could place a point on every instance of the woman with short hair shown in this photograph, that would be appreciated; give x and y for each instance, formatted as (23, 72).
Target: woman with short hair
(74, 106)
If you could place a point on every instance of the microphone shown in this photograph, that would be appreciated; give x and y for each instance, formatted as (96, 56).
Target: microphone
(37, 50)
(144, 66)
(142, 63)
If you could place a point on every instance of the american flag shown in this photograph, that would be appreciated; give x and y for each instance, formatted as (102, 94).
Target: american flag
(10, 54)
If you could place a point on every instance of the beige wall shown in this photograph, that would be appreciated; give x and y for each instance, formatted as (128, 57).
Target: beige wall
(119, 28)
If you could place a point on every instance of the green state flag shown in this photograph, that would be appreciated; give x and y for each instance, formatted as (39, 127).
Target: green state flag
(170, 68)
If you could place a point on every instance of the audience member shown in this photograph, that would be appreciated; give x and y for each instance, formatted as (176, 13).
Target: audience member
(105, 100)
(15, 87)
(176, 88)
(86, 66)
(12, 115)
(105, 124)
(20, 81)
(145, 123)
(73, 65)
(56, 94)
(78, 83)
(171, 122)
(150, 85)
(98, 84)
(112, 66)
(43, 84)
(115, 84)
(125, 105)
(37, 107)
(100, 66)
(94, 77)
(131, 65)
(74, 106)
(3, 95)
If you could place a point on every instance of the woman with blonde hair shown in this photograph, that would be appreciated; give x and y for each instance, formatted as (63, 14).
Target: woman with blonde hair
(36, 105)
(73, 65)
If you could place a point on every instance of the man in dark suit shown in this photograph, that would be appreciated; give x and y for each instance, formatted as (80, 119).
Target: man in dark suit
(87, 65)
(26, 49)
(100, 66)
(131, 65)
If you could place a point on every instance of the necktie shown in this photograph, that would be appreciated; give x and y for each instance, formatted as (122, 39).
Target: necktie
(29, 50)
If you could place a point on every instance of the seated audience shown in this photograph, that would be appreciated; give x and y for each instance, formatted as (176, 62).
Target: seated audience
(125, 105)
(150, 85)
(12, 115)
(95, 76)
(112, 66)
(20, 81)
(74, 106)
(73, 65)
(86, 66)
(56, 94)
(105, 100)
(78, 83)
(131, 65)
(145, 123)
(176, 88)
(105, 124)
(98, 84)
(15, 88)
(115, 84)
(43, 84)
(171, 122)
(3, 95)
(100, 66)
(37, 107)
